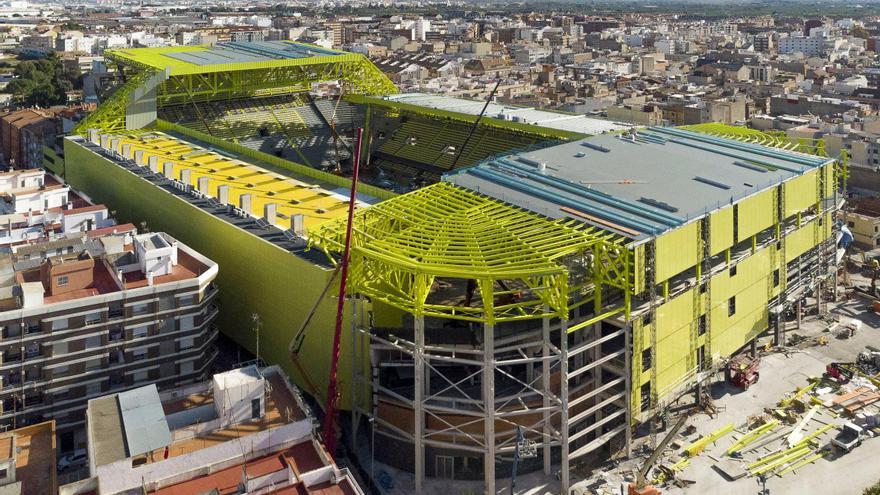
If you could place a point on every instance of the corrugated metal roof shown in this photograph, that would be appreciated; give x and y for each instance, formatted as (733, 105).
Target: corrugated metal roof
(144, 420)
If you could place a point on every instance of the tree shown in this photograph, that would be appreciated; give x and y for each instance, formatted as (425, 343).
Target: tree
(859, 32)
(872, 490)
(41, 82)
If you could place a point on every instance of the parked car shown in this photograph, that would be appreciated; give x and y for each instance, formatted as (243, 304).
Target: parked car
(848, 437)
(72, 460)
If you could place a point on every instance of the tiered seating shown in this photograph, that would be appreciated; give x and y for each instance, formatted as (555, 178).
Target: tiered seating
(432, 144)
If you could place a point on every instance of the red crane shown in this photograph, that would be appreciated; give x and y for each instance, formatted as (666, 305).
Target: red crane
(330, 410)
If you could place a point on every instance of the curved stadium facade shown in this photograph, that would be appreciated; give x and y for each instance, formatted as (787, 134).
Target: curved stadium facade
(529, 278)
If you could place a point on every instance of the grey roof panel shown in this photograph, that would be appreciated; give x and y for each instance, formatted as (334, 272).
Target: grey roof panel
(640, 186)
(144, 420)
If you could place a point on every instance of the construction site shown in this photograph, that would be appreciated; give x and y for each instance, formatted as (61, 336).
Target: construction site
(513, 291)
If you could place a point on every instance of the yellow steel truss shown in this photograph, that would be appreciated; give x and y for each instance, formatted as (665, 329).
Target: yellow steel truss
(444, 234)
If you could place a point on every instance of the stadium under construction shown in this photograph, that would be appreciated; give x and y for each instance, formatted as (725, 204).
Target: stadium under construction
(522, 278)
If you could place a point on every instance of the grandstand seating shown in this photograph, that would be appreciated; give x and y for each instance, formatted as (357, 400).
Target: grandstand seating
(409, 150)
(286, 126)
(425, 142)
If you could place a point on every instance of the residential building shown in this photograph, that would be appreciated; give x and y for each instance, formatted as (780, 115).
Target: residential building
(100, 311)
(27, 460)
(244, 431)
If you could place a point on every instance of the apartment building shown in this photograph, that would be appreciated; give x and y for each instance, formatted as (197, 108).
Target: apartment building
(27, 460)
(100, 311)
(243, 431)
(35, 206)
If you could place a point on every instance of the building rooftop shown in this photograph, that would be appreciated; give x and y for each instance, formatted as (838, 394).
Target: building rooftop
(214, 440)
(92, 264)
(554, 120)
(229, 56)
(33, 450)
(636, 186)
(291, 196)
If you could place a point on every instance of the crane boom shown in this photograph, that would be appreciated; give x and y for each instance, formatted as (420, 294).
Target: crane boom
(330, 410)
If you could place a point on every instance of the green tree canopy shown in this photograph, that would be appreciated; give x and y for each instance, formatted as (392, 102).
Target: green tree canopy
(40, 82)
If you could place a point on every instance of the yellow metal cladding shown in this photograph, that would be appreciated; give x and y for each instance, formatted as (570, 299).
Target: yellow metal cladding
(755, 214)
(676, 251)
(801, 192)
(721, 230)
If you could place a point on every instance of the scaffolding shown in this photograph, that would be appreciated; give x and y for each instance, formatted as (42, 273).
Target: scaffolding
(511, 320)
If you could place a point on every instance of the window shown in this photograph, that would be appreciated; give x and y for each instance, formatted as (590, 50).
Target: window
(62, 280)
(187, 323)
(187, 300)
(140, 376)
(187, 343)
(60, 370)
(94, 388)
(646, 359)
(93, 342)
(139, 309)
(445, 467)
(33, 327)
(733, 271)
(59, 348)
(701, 325)
(139, 355)
(139, 332)
(115, 334)
(187, 367)
(93, 364)
(731, 306)
(776, 277)
(255, 409)
(646, 396)
(93, 318)
(646, 319)
(60, 324)
(701, 357)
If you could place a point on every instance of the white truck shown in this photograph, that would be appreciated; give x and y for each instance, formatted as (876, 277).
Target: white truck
(848, 437)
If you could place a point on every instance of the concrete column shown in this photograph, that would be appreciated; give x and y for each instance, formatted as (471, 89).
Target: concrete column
(270, 213)
(168, 170)
(126, 150)
(139, 157)
(418, 402)
(244, 202)
(105, 141)
(186, 176)
(798, 313)
(204, 185)
(489, 405)
(297, 224)
(545, 387)
(223, 194)
(114, 145)
(153, 163)
(564, 480)
(93, 136)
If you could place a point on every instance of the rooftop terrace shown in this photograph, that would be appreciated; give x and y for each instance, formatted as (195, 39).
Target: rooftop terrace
(637, 186)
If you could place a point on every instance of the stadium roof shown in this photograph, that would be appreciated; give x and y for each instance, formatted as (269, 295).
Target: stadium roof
(638, 188)
(182, 60)
(554, 120)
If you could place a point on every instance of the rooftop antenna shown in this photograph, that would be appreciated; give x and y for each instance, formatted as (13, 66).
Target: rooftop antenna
(257, 324)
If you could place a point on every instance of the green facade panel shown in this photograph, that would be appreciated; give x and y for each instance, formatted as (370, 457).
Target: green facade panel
(255, 276)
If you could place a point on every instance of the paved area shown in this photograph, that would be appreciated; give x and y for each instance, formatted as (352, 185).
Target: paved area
(782, 373)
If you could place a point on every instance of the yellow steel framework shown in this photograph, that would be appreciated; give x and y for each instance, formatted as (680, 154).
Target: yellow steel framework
(774, 139)
(520, 262)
